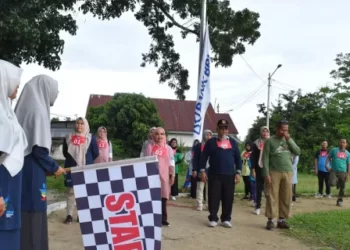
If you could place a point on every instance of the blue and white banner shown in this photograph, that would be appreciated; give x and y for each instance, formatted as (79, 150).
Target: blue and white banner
(203, 97)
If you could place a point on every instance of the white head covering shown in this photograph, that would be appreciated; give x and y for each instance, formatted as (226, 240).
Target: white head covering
(12, 138)
(79, 152)
(33, 111)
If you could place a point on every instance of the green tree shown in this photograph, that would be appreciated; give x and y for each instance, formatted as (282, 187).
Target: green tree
(127, 118)
(55, 119)
(314, 117)
(30, 31)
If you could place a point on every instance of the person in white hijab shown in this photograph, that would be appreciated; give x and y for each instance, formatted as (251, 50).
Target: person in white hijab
(12, 144)
(79, 148)
(33, 113)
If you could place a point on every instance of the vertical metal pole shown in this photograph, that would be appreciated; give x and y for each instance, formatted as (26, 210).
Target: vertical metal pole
(268, 102)
(201, 38)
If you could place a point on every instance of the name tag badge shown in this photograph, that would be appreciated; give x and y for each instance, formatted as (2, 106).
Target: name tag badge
(246, 155)
(102, 144)
(158, 151)
(224, 144)
(323, 153)
(78, 140)
(341, 155)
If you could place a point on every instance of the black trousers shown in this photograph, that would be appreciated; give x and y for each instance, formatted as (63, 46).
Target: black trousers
(193, 187)
(259, 189)
(175, 187)
(294, 189)
(323, 178)
(220, 188)
(164, 210)
(247, 185)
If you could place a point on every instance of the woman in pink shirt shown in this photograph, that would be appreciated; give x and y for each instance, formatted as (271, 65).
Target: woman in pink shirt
(104, 146)
(166, 164)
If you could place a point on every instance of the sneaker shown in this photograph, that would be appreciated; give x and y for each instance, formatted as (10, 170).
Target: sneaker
(270, 225)
(329, 196)
(68, 220)
(199, 208)
(253, 204)
(226, 224)
(245, 197)
(257, 211)
(212, 224)
(318, 195)
(282, 225)
(165, 224)
(173, 198)
(339, 203)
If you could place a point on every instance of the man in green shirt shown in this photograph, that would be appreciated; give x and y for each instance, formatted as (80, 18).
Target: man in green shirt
(340, 168)
(278, 173)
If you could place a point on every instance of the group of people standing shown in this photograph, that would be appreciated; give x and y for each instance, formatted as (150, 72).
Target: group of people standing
(25, 145)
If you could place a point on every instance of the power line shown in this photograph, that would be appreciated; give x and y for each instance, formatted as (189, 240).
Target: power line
(251, 68)
(249, 98)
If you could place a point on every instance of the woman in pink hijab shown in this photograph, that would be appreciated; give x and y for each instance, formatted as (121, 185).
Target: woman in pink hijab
(104, 146)
(166, 164)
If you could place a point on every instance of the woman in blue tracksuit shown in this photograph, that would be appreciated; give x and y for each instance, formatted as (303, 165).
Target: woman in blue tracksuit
(79, 148)
(33, 113)
(13, 142)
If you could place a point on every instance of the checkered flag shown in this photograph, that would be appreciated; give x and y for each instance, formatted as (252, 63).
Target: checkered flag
(119, 204)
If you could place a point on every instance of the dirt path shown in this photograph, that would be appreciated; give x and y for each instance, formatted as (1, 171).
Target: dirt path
(189, 231)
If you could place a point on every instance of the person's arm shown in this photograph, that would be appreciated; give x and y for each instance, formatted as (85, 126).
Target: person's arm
(316, 162)
(94, 148)
(65, 149)
(266, 158)
(254, 157)
(237, 158)
(293, 147)
(204, 156)
(44, 159)
(110, 151)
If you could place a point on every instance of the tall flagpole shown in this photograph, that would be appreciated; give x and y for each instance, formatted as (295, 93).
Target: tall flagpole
(201, 37)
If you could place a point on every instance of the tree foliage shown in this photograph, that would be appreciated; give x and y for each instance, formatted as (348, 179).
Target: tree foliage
(30, 31)
(127, 118)
(313, 117)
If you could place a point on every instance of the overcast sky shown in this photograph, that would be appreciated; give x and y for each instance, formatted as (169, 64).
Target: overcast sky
(304, 36)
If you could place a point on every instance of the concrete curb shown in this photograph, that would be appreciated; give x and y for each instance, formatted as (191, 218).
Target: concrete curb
(56, 206)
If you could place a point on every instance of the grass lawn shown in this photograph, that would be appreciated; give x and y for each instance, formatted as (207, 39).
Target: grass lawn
(328, 229)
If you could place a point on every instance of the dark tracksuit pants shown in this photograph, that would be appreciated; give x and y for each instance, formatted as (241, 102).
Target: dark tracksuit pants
(164, 210)
(260, 182)
(323, 178)
(220, 188)
(175, 186)
(247, 186)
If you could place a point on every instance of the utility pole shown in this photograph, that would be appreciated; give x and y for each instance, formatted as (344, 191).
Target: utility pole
(268, 96)
(268, 102)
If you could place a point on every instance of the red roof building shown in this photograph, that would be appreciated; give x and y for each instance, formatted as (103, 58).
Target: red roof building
(177, 116)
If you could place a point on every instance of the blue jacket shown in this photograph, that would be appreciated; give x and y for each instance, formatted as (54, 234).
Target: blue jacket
(36, 165)
(91, 154)
(222, 161)
(10, 190)
(251, 177)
